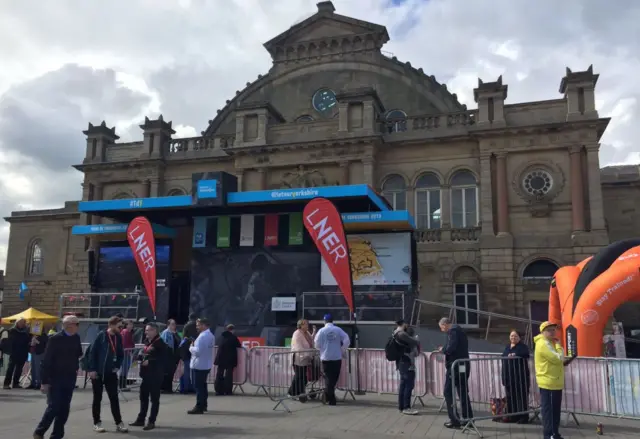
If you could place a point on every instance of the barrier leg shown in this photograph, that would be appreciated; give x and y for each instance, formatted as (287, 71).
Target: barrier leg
(418, 398)
(262, 388)
(571, 415)
(471, 426)
(238, 386)
(349, 393)
(283, 404)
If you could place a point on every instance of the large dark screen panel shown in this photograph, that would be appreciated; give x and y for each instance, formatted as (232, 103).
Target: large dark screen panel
(118, 273)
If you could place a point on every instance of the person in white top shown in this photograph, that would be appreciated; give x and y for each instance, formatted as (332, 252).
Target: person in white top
(201, 364)
(332, 342)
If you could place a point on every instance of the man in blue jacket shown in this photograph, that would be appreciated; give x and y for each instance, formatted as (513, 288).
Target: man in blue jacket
(105, 358)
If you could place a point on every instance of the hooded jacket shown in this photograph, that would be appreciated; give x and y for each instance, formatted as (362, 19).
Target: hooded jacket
(227, 352)
(19, 343)
(410, 345)
(549, 362)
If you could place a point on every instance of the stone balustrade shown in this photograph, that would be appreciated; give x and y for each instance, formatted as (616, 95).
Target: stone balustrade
(427, 236)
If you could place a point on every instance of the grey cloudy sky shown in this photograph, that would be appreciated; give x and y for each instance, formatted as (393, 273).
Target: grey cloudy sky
(68, 62)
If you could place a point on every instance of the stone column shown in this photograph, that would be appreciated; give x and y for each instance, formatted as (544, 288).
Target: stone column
(263, 179)
(486, 198)
(146, 188)
(367, 164)
(577, 189)
(596, 207)
(502, 194)
(343, 116)
(445, 212)
(344, 173)
(239, 175)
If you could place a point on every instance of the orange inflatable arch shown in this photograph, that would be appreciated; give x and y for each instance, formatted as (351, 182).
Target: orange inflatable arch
(583, 297)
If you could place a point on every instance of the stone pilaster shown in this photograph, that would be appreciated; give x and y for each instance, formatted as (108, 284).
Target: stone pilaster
(596, 208)
(502, 194)
(486, 198)
(577, 189)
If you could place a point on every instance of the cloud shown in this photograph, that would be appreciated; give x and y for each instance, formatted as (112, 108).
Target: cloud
(69, 63)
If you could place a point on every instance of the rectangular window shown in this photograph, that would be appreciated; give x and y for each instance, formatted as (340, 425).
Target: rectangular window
(466, 296)
(428, 208)
(464, 207)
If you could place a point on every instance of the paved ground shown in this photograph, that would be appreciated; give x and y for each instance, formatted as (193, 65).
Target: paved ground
(371, 416)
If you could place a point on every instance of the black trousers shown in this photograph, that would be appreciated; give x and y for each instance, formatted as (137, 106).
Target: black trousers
(167, 383)
(108, 382)
(223, 384)
(517, 394)
(331, 370)
(299, 381)
(58, 405)
(14, 371)
(550, 409)
(462, 389)
(149, 392)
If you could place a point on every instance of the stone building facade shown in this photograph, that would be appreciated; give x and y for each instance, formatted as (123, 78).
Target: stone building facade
(502, 194)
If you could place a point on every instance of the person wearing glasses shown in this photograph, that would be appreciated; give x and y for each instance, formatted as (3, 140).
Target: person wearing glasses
(105, 359)
(550, 362)
(59, 372)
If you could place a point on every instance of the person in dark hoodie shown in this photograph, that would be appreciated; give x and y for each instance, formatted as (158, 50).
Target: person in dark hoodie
(457, 348)
(226, 360)
(105, 359)
(189, 335)
(153, 360)
(406, 366)
(516, 378)
(19, 345)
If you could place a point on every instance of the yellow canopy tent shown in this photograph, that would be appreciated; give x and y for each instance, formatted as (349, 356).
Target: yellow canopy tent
(30, 315)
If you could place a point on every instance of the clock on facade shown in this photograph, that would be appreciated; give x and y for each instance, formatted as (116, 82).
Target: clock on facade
(324, 101)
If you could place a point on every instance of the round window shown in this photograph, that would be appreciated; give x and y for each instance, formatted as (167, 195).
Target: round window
(324, 101)
(537, 183)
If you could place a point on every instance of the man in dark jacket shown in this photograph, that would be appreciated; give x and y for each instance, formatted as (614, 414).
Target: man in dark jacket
(59, 374)
(153, 360)
(226, 360)
(105, 359)
(406, 366)
(457, 348)
(19, 345)
(190, 331)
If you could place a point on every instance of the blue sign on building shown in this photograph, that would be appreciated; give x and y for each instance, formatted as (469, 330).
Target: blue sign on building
(207, 189)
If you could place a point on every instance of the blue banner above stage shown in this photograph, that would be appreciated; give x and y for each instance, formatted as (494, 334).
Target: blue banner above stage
(109, 229)
(331, 192)
(237, 198)
(388, 220)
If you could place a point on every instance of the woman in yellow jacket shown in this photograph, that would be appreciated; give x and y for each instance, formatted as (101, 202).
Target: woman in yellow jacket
(550, 363)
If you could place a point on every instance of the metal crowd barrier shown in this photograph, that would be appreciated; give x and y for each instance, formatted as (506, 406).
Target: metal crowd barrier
(593, 386)
(295, 376)
(240, 373)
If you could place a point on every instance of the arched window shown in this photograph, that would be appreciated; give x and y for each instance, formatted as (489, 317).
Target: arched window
(396, 121)
(466, 295)
(540, 269)
(428, 213)
(464, 200)
(394, 190)
(175, 193)
(305, 118)
(35, 267)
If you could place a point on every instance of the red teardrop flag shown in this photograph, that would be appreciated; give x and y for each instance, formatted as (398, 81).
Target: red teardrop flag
(143, 245)
(324, 224)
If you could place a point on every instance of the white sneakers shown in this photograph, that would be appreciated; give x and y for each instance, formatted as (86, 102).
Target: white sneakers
(98, 428)
(120, 428)
(411, 412)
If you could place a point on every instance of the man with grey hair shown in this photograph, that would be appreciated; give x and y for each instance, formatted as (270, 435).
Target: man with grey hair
(59, 373)
(456, 348)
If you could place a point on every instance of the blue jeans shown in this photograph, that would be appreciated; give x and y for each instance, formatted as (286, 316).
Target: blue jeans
(58, 404)
(186, 380)
(407, 383)
(202, 392)
(36, 362)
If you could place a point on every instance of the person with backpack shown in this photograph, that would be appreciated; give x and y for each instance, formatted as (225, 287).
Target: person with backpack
(402, 348)
(332, 342)
(104, 360)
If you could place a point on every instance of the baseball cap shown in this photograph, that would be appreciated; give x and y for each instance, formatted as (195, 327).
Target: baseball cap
(327, 317)
(546, 325)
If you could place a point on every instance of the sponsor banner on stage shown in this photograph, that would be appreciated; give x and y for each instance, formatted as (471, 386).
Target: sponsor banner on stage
(247, 224)
(224, 232)
(271, 230)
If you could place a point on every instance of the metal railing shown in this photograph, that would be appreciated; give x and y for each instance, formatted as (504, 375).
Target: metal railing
(372, 307)
(101, 306)
(483, 318)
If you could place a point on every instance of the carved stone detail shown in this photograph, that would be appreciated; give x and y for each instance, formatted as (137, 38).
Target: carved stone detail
(303, 178)
(539, 204)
